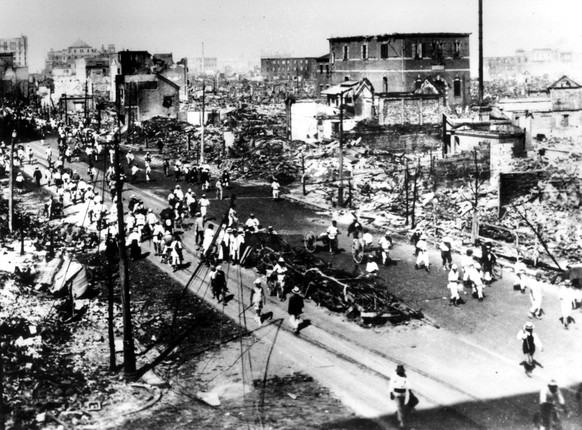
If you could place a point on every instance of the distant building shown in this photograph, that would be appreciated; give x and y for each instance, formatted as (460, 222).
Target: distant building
(79, 49)
(558, 113)
(19, 47)
(297, 68)
(537, 62)
(398, 62)
(145, 96)
(13, 79)
(203, 65)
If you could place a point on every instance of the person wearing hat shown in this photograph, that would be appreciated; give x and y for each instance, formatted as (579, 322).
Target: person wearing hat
(129, 157)
(258, 300)
(148, 171)
(203, 204)
(331, 234)
(191, 202)
(535, 297)
(133, 241)
(19, 182)
(399, 393)
(236, 243)
(422, 257)
(37, 175)
(157, 235)
(550, 398)
(218, 187)
(530, 341)
(295, 309)
(225, 244)
(278, 278)
(467, 266)
(385, 243)
(148, 157)
(454, 284)
(476, 280)
(252, 224)
(179, 193)
(218, 283)
(198, 229)
(151, 218)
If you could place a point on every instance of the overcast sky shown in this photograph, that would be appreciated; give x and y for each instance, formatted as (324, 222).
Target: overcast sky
(249, 28)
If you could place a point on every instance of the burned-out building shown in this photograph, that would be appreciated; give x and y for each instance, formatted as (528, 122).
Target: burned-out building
(296, 68)
(557, 112)
(397, 62)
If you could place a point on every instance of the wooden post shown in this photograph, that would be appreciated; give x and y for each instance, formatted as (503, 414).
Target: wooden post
(340, 194)
(406, 190)
(414, 194)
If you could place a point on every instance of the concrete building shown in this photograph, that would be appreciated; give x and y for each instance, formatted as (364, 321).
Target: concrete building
(203, 65)
(145, 96)
(78, 50)
(396, 62)
(297, 68)
(19, 47)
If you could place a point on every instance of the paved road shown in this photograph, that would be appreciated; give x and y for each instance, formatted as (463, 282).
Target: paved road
(466, 372)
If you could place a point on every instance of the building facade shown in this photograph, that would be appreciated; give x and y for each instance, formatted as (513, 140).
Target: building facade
(536, 62)
(302, 68)
(399, 62)
(19, 47)
(78, 50)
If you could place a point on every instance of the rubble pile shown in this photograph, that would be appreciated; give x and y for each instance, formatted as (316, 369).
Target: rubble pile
(353, 294)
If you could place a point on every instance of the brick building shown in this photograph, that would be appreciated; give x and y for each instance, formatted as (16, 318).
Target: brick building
(19, 47)
(399, 62)
(297, 68)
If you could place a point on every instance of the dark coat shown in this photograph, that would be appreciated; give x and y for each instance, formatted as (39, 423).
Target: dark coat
(295, 305)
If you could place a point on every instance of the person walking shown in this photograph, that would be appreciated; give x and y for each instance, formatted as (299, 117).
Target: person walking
(203, 205)
(258, 300)
(566, 303)
(166, 167)
(530, 341)
(385, 243)
(454, 285)
(295, 309)
(519, 269)
(177, 252)
(446, 249)
(275, 186)
(37, 175)
(535, 296)
(550, 398)
(332, 233)
(218, 187)
(198, 229)
(422, 258)
(148, 171)
(399, 393)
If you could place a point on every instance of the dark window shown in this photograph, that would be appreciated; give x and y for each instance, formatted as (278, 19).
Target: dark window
(457, 49)
(417, 83)
(565, 120)
(345, 52)
(346, 78)
(385, 83)
(321, 69)
(365, 52)
(167, 101)
(457, 87)
(384, 50)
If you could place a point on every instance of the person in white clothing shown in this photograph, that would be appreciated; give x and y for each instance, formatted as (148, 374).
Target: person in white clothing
(566, 303)
(519, 269)
(252, 224)
(400, 393)
(453, 285)
(258, 300)
(422, 258)
(203, 204)
(368, 239)
(385, 243)
(535, 296)
(275, 187)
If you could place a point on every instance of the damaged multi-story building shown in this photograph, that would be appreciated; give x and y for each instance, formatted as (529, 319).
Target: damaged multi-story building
(401, 62)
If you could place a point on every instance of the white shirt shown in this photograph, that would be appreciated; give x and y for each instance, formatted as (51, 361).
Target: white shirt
(368, 239)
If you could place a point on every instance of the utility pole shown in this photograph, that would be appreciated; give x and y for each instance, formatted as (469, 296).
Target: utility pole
(129, 366)
(202, 119)
(480, 52)
(86, 83)
(340, 194)
(406, 189)
(11, 185)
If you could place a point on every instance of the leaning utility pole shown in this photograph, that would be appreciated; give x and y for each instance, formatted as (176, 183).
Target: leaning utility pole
(128, 348)
(480, 52)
